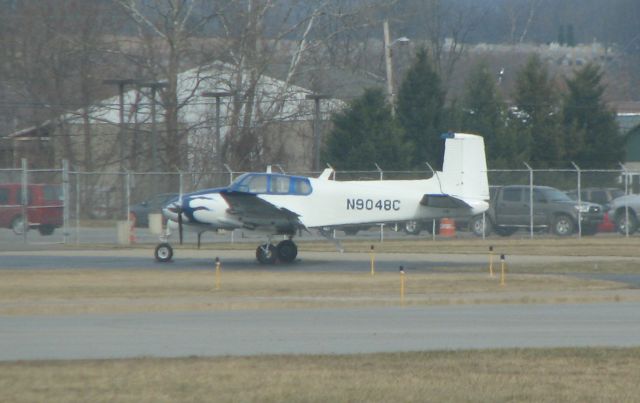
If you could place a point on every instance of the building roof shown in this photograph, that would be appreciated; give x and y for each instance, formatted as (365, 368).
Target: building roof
(275, 99)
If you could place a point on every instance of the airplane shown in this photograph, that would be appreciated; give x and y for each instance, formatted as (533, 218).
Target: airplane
(280, 204)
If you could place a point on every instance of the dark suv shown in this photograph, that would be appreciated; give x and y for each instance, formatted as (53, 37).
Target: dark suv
(43, 207)
(547, 208)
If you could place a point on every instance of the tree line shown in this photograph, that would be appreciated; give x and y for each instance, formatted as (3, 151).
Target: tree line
(547, 122)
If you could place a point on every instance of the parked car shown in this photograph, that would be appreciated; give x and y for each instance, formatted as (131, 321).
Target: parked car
(44, 207)
(140, 212)
(510, 209)
(602, 196)
(625, 212)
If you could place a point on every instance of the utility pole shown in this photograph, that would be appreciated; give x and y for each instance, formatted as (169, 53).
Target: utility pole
(387, 44)
(154, 86)
(218, 151)
(121, 83)
(316, 128)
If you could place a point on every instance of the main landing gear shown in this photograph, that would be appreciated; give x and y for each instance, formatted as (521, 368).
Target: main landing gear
(285, 252)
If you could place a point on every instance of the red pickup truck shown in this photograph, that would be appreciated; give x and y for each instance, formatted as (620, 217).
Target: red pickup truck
(44, 207)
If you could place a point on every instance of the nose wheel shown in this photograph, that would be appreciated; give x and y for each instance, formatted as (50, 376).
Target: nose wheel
(163, 252)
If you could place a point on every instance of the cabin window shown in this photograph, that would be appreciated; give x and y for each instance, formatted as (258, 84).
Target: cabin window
(280, 184)
(301, 186)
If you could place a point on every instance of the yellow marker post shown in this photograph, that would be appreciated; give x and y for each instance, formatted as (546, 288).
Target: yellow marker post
(373, 261)
(491, 262)
(217, 273)
(401, 285)
(502, 268)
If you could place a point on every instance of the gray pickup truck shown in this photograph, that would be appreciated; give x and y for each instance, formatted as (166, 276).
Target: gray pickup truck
(511, 208)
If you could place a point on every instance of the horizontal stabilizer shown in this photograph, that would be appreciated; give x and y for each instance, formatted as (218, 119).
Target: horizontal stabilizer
(443, 201)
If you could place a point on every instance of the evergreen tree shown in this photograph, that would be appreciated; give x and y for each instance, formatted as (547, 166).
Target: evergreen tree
(590, 130)
(539, 124)
(366, 133)
(484, 113)
(420, 111)
(561, 36)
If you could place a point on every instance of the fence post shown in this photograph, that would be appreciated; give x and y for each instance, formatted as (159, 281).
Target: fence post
(530, 199)
(128, 196)
(379, 170)
(78, 176)
(65, 198)
(579, 198)
(24, 198)
(626, 192)
(230, 173)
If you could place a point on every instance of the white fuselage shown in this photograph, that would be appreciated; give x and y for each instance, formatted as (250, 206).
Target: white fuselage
(334, 203)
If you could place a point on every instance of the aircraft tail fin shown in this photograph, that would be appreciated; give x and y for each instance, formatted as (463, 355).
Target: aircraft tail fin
(464, 170)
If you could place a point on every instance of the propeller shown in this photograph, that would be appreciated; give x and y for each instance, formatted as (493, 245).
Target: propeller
(176, 208)
(180, 224)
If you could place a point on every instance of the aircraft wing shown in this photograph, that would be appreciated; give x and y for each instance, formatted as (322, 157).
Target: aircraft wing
(443, 201)
(256, 212)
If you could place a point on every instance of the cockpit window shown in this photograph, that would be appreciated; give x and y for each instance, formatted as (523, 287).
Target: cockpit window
(271, 184)
(257, 184)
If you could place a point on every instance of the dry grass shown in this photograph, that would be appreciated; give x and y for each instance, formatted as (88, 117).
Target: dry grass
(529, 375)
(80, 291)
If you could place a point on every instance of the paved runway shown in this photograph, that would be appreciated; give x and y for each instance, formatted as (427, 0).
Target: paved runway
(318, 331)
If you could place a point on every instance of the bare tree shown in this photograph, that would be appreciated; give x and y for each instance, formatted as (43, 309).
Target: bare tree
(521, 15)
(53, 54)
(446, 27)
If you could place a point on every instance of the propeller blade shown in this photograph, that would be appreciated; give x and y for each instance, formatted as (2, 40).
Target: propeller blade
(180, 224)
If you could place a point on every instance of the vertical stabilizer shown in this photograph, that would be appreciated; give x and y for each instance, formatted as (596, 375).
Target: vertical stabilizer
(464, 171)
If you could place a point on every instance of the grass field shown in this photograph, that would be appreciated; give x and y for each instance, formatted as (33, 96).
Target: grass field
(83, 291)
(530, 375)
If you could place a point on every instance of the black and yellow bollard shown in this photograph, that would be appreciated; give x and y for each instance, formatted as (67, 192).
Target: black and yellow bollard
(372, 255)
(401, 269)
(218, 274)
(491, 262)
(502, 270)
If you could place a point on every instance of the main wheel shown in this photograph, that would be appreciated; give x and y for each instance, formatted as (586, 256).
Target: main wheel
(17, 225)
(563, 225)
(266, 254)
(412, 227)
(287, 251)
(480, 226)
(164, 252)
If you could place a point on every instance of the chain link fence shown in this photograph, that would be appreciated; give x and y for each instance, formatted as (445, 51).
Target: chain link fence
(66, 206)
